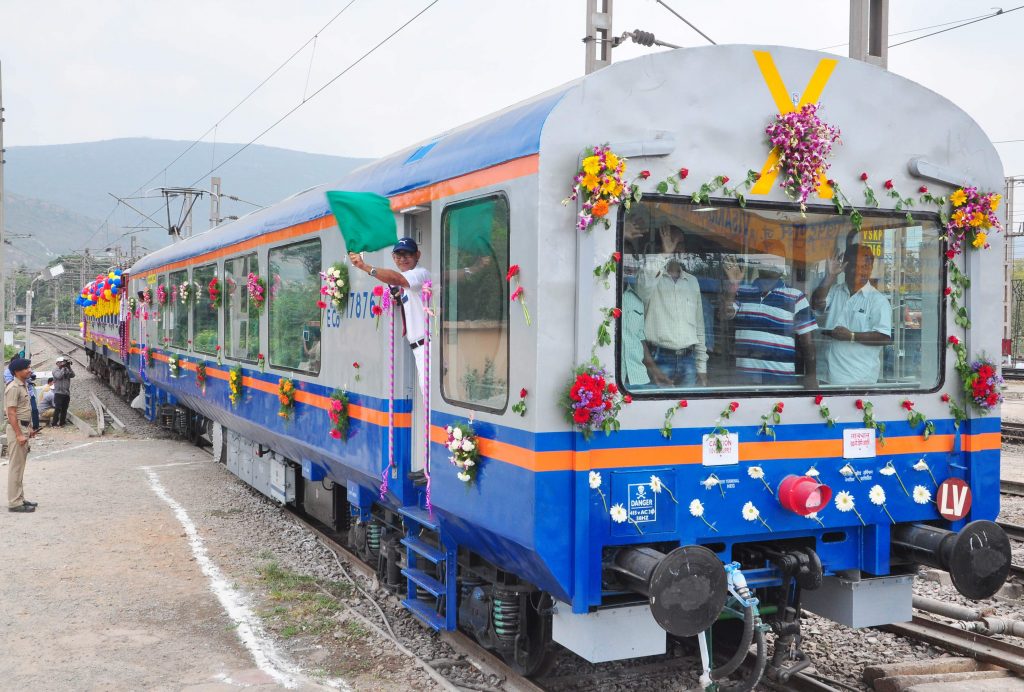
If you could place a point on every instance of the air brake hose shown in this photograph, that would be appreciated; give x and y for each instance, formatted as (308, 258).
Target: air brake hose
(730, 666)
(754, 676)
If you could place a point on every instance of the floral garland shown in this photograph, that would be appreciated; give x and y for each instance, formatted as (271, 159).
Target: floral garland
(601, 184)
(173, 365)
(803, 143)
(338, 413)
(591, 402)
(385, 306)
(201, 376)
(720, 431)
(520, 406)
(132, 305)
(869, 419)
(916, 418)
(770, 420)
(604, 330)
(465, 451)
(974, 215)
(666, 426)
(261, 362)
(147, 296)
(235, 385)
(610, 266)
(516, 296)
(148, 356)
(823, 411)
(286, 396)
(257, 288)
(214, 292)
(334, 288)
(186, 292)
(218, 350)
(161, 295)
(984, 385)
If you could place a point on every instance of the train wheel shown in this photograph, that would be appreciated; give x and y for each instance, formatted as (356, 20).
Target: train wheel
(533, 656)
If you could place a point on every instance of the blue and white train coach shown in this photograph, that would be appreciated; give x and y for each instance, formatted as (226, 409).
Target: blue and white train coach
(780, 449)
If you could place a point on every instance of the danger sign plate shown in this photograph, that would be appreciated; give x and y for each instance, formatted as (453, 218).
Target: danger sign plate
(953, 499)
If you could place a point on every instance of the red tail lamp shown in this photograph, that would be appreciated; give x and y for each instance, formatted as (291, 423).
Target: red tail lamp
(803, 495)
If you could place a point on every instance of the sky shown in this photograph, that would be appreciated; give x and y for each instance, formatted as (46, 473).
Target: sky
(83, 71)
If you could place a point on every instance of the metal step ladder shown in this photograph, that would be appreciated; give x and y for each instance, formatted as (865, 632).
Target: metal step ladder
(438, 608)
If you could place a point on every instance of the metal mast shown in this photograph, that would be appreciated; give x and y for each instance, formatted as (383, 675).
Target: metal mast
(3, 253)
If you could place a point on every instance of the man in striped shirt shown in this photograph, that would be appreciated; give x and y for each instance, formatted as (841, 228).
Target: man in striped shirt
(773, 324)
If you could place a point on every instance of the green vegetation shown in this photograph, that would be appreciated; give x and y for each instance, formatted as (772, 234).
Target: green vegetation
(302, 605)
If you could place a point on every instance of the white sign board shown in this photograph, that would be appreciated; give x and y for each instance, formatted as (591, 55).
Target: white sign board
(728, 454)
(56, 270)
(859, 443)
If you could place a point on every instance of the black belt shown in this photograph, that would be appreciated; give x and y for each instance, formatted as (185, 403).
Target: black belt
(675, 352)
(24, 422)
(416, 344)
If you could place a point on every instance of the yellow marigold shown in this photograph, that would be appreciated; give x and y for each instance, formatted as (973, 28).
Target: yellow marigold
(958, 198)
(618, 190)
(979, 240)
(994, 203)
(608, 185)
(590, 181)
(599, 209)
(611, 160)
(977, 218)
(592, 165)
(958, 217)
(283, 399)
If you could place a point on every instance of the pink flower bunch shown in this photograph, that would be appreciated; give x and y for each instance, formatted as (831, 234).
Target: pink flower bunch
(257, 290)
(804, 144)
(161, 295)
(338, 413)
(973, 216)
(384, 304)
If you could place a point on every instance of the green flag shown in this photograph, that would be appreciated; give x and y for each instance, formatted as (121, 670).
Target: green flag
(365, 220)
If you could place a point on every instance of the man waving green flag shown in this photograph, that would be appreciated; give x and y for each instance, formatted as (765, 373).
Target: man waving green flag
(365, 220)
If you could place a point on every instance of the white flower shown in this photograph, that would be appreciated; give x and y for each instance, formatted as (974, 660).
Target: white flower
(812, 472)
(448, 430)
(595, 480)
(336, 273)
(887, 470)
(750, 512)
(697, 508)
(921, 465)
(711, 481)
(457, 433)
(877, 495)
(618, 513)
(454, 446)
(467, 445)
(467, 463)
(844, 501)
(755, 472)
(847, 470)
(812, 515)
(922, 495)
(656, 484)
(463, 476)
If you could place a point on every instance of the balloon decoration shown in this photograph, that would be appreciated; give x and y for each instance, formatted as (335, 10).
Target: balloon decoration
(102, 296)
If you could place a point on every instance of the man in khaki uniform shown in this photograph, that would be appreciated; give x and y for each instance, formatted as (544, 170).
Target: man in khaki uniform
(18, 406)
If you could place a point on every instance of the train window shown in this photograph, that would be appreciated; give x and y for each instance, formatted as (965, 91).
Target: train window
(241, 317)
(294, 289)
(474, 303)
(204, 315)
(765, 299)
(176, 319)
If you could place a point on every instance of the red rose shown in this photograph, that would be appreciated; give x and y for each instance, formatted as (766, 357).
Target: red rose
(945, 398)
(908, 404)
(682, 403)
(617, 256)
(985, 372)
(950, 254)
(863, 176)
(683, 172)
(616, 313)
(922, 189)
(512, 271)
(321, 304)
(778, 407)
(607, 405)
(757, 176)
(992, 399)
(522, 393)
(580, 415)
(613, 389)
(859, 403)
(888, 185)
(831, 183)
(734, 405)
(725, 179)
(645, 174)
(627, 399)
(948, 290)
(818, 399)
(953, 340)
(354, 365)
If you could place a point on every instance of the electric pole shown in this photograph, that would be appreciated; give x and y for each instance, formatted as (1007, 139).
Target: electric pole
(214, 201)
(598, 39)
(869, 32)
(3, 252)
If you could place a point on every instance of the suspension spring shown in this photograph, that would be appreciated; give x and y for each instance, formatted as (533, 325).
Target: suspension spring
(373, 531)
(506, 615)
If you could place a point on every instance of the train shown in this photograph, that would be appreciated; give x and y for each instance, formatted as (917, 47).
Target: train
(644, 417)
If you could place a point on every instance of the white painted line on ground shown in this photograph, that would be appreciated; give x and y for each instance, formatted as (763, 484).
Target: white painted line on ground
(71, 449)
(172, 463)
(250, 630)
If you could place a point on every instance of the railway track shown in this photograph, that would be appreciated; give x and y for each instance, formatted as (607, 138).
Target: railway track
(1013, 433)
(957, 640)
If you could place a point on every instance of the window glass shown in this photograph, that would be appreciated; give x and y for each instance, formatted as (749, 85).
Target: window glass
(241, 318)
(294, 289)
(204, 315)
(474, 303)
(731, 298)
(176, 317)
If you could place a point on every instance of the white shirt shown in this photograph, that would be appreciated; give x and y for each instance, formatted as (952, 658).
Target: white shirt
(867, 310)
(412, 303)
(674, 310)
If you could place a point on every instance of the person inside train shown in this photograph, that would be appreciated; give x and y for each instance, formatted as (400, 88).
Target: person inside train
(858, 318)
(311, 346)
(674, 319)
(773, 322)
(637, 363)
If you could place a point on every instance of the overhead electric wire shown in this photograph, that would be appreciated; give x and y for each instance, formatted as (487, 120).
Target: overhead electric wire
(913, 31)
(1000, 13)
(331, 81)
(688, 23)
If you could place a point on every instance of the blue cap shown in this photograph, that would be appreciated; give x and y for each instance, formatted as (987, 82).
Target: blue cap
(19, 364)
(406, 245)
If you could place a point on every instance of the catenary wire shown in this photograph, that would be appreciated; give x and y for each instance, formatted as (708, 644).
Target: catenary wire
(331, 81)
(1000, 13)
(914, 31)
(709, 39)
